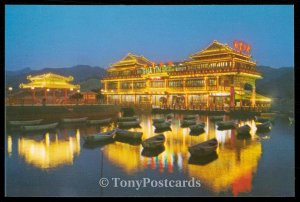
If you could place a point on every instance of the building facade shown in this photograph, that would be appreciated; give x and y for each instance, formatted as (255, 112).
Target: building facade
(217, 77)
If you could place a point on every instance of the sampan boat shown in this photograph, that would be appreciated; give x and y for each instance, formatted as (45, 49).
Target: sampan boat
(170, 116)
(216, 118)
(267, 126)
(153, 152)
(198, 127)
(101, 121)
(244, 130)
(154, 142)
(162, 125)
(129, 124)
(189, 117)
(106, 136)
(127, 118)
(204, 148)
(203, 160)
(186, 123)
(260, 119)
(158, 121)
(24, 123)
(128, 134)
(40, 127)
(224, 125)
(75, 120)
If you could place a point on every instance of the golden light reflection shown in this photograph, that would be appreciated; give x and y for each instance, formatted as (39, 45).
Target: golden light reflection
(231, 171)
(9, 145)
(47, 154)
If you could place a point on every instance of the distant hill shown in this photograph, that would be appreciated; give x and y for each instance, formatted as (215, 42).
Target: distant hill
(81, 73)
(276, 83)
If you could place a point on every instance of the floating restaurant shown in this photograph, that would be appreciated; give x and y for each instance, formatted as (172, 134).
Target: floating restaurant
(217, 77)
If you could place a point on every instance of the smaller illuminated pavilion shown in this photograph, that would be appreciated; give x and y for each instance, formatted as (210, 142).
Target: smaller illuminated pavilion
(49, 81)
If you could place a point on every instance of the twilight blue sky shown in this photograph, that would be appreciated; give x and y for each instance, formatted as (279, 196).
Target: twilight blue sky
(63, 36)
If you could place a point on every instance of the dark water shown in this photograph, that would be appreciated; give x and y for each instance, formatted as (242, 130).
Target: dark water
(60, 164)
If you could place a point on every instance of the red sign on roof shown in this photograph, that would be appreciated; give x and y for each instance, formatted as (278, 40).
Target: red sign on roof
(241, 46)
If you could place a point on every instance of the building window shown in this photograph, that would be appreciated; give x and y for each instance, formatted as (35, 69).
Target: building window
(126, 85)
(112, 85)
(195, 83)
(139, 85)
(212, 82)
(157, 84)
(176, 83)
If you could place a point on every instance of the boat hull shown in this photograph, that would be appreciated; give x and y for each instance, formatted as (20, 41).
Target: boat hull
(24, 123)
(204, 148)
(39, 127)
(75, 120)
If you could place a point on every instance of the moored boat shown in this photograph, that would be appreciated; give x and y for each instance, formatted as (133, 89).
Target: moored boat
(40, 127)
(154, 142)
(153, 152)
(129, 134)
(127, 118)
(101, 121)
(267, 126)
(106, 136)
(216, 118)
(129, 124)
(199, 126)
(186, 123)
(158, 121)
(189, 117)
(162, 125)
(23, 123)
(170, 116)
(204, 148)
(203, 160)
(224, 125)
(244, 130)
(260, 119)
(75, 120)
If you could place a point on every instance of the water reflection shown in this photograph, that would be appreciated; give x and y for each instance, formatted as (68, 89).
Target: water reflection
(47, 153)
(231, 168)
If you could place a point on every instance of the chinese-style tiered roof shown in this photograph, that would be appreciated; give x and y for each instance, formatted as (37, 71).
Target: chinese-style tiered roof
(50, 80)
(131, 61)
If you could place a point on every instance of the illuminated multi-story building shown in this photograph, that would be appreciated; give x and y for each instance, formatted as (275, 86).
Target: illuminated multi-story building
(216, 77)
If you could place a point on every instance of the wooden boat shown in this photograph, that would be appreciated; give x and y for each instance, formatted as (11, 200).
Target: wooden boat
(189, 117)
(186, 123)
(158, 121)
(204, 148)
(216, 118)
(267, 126)
(131, 141)
(101, 121)
(153, 152)
(23, 123)
(100, 136)
(203, 160)
(162, 125)
(161, 130)
(75, 120)
(224, 125)
(40, 127)
(129, 134)
(244, 130)
(154, 142)
(127, 118)
(199, 126)
(260, 119)
(129, 124)
(170, 116)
